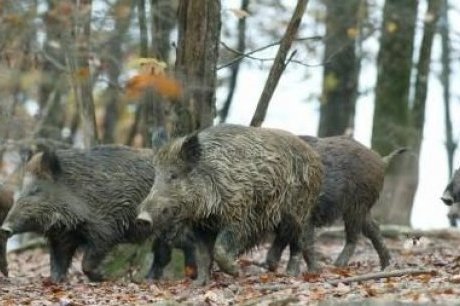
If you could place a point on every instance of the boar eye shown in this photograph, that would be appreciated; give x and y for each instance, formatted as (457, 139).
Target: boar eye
(34, 190)
(173, 176)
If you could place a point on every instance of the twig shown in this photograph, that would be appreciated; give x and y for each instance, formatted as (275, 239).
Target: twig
(279, 64)
(261, 59)
(379, 275)
(248, 54)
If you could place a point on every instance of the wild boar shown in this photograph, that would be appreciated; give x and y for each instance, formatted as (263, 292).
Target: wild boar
(353, 180)
(451, 197)
(234, 184)
(83, 198)
(6, 201)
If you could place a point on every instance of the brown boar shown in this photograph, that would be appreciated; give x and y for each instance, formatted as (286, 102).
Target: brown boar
(83, 198)
(353, 180)
(233, 185)
(451, 197)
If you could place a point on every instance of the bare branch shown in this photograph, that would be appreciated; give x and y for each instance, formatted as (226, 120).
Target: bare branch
(279, 64)
(248, 54)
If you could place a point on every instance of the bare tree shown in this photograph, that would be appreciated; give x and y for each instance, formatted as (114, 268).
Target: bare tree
(451, 145)
(341, 68)
(196, 62)
(279, 64)
(241, 46)
(114, 60)
(77, 57)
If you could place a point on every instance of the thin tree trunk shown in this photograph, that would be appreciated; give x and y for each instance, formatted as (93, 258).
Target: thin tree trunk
(196, 62)
(341, 71)
(77, 50)
(114, 67)
(49, 98)
(279, 64)
(241, 46)
(451, 145)
(391, 122)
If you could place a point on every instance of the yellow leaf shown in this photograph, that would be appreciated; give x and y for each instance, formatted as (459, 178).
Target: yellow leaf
(239, 13)
(352, 32)
(330, 82)
(391, 27)
(147, 65)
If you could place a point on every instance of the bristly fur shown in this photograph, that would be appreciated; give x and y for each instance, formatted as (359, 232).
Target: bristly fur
(250, 178)
(353, 180)
(83, 197)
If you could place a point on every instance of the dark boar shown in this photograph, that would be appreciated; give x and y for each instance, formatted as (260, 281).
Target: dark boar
(6, 201)
(353, 180)
(451, 197)
(235, 184)
(83, 198)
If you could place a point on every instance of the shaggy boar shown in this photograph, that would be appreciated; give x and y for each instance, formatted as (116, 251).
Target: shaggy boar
(6, 201)
(451, 197)
(235, 184)
(353, 180)
(83, 198)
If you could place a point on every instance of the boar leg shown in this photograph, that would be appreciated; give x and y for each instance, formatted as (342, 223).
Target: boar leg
(352, 230)
(202, 250)
(91, 260)
(161, 257)
(371, 230)
(309, 246)
(62, 250)
(275, 251)
(226, 249)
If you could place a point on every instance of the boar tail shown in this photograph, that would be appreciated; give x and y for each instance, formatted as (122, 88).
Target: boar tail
(387, 159)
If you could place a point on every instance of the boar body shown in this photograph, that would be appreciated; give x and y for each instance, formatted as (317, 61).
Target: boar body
(353, 180)
(234, 185)
(82, 198)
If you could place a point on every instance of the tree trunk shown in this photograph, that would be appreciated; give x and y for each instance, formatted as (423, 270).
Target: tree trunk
(196, 62)
(77, 51)
(114, 58)
(391, 122)
(241, 46)
(49, 96)
(451, 145)
(341, 69)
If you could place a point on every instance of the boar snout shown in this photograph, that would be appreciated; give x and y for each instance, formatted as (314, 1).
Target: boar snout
(447, 198)
(7, 229)
(144, 220)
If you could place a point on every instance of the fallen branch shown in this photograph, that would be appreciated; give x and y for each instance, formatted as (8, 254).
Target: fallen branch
(396, 232)
(379, 275)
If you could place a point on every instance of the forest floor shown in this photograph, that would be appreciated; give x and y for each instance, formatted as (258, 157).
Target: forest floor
(429, 265)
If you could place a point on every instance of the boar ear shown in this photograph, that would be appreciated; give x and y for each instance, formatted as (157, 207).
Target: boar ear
(44, 164)
(49, 162)
(191, 149)
(159, 138)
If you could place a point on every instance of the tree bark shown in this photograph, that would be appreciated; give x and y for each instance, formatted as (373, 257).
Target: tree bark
(196, 62)
(391, 121)
(241, 46)
(279, 64)
(341, 69)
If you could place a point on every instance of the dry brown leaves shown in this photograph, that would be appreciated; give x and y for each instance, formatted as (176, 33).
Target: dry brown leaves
(28, 283)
